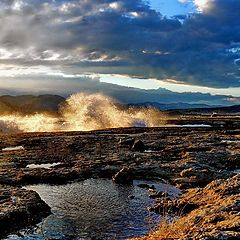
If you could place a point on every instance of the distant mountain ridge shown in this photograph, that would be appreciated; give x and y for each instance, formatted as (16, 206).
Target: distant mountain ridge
(186, 108)
(27, 104)
(131, 95)
(172, 106)
(235, 109)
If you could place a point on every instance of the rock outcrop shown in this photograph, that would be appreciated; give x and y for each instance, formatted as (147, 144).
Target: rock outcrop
(20, 208)
(139, 146)
(124, 176)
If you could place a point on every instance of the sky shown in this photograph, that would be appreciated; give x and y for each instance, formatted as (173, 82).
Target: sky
(180, 45)
(171, 8)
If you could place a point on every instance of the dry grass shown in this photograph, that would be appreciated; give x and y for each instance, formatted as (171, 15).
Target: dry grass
(216, 217)
(178, 229)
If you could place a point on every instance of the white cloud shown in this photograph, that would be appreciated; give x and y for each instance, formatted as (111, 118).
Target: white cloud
(183, 1)
(203, 5)
(115, 5)
(17, 5)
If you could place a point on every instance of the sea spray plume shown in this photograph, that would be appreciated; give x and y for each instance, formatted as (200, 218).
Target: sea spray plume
(8, 127)
(30, 123)
(93, 111)
(83, 112)
(148, 116)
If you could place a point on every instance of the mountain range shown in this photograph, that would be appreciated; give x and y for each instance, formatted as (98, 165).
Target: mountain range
(127, 95)
(27, 104)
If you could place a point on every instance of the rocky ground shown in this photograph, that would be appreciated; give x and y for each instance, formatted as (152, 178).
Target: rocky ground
(212, 212)
(189, 158)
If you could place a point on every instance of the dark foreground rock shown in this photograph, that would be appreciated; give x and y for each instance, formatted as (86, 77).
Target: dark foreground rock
(138, 146)
(124, 176)
(212, 212)
(20, 208)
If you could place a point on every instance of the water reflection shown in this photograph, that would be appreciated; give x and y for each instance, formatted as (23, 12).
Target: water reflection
(93, 209)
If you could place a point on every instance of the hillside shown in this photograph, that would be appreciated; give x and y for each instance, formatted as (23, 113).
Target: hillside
(29, 104)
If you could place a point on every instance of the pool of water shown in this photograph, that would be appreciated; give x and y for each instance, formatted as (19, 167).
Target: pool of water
(94, 209)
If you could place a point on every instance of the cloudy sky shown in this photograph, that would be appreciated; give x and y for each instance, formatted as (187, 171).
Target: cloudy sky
(180, 45)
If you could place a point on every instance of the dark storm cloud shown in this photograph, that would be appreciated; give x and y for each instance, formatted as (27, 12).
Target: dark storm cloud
(125, 37)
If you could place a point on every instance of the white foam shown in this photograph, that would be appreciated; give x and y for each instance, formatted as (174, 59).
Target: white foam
(194, 125)
(17, 148)
(44, 165)
(230, 141)
(149, 151)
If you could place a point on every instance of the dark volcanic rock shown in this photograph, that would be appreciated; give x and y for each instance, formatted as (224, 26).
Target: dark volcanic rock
(124, 176)
(20, 208)
(156, 195)
(138, 146)
(108, 171)
(93, 154)
(127, 142)
(146, 186)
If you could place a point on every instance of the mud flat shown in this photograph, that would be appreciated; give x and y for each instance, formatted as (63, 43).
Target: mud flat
(192, 159)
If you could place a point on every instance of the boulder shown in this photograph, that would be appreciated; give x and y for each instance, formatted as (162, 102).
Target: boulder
(124, 176)
(20, 208)
(126, 142)
(138, 146)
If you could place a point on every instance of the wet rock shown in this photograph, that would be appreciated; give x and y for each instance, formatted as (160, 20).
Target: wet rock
(20, 208)
(108, 171)
(146, 186)
(151, 172)
(196, 168)
(138, 146)
(160, 194)
(143, 185)
(126, 142)
(124, 176)
(198, 176)
(131, 196)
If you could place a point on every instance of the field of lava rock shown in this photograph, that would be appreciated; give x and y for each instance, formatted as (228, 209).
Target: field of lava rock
(192, 159)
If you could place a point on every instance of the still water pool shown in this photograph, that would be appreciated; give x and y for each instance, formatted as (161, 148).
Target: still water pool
(94, 209)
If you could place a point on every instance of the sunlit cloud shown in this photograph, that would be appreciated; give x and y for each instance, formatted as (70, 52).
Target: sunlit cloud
(203, 5)
(74, 38)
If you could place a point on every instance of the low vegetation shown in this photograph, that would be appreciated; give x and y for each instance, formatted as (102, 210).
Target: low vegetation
(216, 213)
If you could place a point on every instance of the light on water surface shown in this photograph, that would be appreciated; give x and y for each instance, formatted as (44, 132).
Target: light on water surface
(95, 209)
